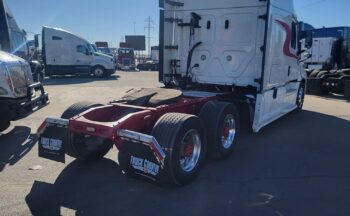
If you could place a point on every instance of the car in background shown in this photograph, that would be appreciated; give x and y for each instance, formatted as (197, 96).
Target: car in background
(148, 66)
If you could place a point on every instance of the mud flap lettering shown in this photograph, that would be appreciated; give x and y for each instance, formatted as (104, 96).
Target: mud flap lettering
(140, 161)
(52, 143)
(144, 165)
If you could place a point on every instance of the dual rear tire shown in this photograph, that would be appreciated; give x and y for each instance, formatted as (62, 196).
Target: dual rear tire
(187, 140)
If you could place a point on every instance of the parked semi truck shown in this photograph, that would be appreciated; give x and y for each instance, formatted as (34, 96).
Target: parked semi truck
(126, 58)
(329, 67)
(65, 53)
(225, 65)
(19, 93)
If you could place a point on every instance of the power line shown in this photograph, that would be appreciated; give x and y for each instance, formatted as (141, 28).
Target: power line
(149, 26)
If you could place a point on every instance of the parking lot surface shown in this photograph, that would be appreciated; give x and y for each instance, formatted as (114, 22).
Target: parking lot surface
(299, 165)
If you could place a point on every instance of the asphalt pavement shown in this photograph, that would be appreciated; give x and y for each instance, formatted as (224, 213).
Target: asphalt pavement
(298, 165)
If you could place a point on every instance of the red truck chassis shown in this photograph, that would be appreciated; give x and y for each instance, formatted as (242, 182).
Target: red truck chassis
(122, 125)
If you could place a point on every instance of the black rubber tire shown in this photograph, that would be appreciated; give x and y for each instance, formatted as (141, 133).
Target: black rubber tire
(300, 101)
(169, 132)
(321, 74)
(314, 74)
(98, 68)
(309, 71)
(76, 147)
(213, 115)
(4, 125)
(78, 108)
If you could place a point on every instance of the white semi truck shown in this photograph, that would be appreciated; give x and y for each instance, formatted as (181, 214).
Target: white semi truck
(321, 53)
(65, 53)
(224, 63)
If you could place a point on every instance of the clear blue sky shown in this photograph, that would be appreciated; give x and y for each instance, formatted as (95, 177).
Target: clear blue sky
(109, 20)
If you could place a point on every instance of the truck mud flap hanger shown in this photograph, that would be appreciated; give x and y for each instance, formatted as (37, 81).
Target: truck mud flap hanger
(54, 137)
(146, 140)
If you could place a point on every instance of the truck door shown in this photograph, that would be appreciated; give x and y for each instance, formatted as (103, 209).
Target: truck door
(281, 71)
(84, 58)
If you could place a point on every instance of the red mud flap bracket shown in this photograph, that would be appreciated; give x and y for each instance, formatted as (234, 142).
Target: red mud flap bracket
(53, 136)
(141, 155)
(146, 140)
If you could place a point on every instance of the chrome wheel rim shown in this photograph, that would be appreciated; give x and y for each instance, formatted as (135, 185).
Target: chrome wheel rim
(98, 72)
(229, 131)
(190, 150)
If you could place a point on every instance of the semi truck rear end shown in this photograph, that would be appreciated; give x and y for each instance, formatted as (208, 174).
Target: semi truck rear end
(224, 64)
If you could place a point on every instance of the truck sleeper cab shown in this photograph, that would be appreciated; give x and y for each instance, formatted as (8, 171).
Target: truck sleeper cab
(65, 53)
(225, 64)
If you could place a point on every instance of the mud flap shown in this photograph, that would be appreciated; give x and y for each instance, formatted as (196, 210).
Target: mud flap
(141, 156)
(53, 139)
(137, 160)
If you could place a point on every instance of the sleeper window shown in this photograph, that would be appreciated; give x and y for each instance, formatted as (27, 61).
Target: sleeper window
(56, 38)
(81, 49)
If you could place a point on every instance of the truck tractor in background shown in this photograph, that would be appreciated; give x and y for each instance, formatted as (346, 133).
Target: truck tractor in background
(329, 67)
(225, 64)
(126, 58)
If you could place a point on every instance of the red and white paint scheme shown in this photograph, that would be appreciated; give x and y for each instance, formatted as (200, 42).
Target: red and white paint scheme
(242, 43)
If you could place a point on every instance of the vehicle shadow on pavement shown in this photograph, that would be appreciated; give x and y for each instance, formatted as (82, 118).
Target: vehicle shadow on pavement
(299, 165)
(72, 80)
(15, 145)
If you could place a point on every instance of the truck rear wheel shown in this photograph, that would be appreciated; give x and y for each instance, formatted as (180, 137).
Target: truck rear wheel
(221, 122)
(321, 74)
(314, 74)
(85, 147)
(182, 138)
